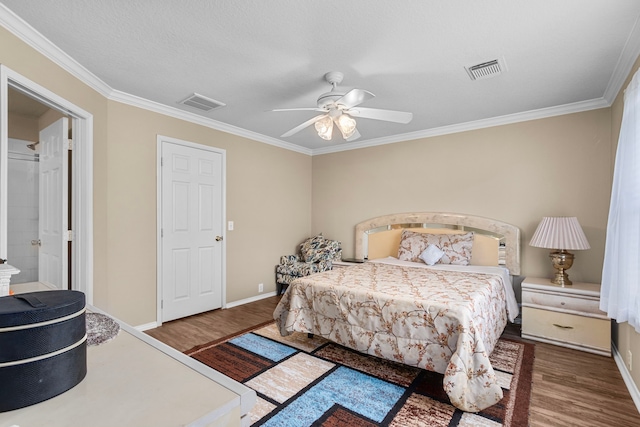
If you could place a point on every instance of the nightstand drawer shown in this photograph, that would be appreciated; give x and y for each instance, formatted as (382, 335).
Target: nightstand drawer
(563, 302)
(588, 333)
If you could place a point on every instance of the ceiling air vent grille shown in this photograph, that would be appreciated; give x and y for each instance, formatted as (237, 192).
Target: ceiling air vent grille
(202, 103)
(485, 70)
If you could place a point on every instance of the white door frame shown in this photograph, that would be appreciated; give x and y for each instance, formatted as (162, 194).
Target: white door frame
(159, 282)
(82, 174)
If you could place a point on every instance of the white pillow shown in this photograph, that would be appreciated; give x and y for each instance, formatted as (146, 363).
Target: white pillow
(431, 255)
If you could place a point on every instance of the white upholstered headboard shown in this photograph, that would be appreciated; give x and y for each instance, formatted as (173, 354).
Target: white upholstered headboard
(491, 235)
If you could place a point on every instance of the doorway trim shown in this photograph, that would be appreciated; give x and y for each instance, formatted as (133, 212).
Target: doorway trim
(82, 173)
(159, 282)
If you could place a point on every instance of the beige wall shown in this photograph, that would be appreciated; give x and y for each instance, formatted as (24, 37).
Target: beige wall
(22, 59)
(515, 173)
(49, 117)
(23, 127)
(267, 198)
(268, 193)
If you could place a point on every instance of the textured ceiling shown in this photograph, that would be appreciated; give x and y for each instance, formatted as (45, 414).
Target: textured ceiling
(257, 55)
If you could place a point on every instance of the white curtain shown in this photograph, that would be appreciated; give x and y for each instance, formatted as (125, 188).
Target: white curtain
(620, 292)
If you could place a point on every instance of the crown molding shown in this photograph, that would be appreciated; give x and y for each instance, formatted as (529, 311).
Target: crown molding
(33, 38)
(40, 43)
(542, 113)
(627, 59)
(36, 40)
(146, 104)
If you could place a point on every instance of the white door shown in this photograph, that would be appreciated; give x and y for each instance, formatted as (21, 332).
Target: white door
(53, 257)
(192, 230)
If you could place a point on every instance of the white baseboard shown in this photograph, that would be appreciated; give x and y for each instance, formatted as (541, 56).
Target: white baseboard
(152, 325)
(248, 300)
(146, 326)
(626, 376)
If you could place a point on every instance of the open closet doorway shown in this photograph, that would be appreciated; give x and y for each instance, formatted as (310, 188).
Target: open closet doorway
(60, 205)
(39, 193)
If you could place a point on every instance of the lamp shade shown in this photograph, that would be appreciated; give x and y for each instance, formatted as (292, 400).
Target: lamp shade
(346, 125)
(324, 126)
(559, 233)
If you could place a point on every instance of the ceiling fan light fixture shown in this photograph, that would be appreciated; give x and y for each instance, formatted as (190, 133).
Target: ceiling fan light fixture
(339, 108)
(346, 124)
(324, 126)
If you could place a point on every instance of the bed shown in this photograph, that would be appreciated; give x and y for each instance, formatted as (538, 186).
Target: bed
(446, 317)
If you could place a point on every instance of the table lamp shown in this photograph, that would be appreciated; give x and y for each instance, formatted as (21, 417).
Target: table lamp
(560, 234)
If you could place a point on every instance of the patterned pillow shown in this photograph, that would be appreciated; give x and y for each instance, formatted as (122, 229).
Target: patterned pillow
(456, 247)
(317, 248)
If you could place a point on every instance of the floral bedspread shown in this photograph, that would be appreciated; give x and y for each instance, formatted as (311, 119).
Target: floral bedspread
(437, 319)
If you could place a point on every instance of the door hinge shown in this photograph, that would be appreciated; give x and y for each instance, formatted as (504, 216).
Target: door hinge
(161, 232)
(161, 303)
(70, 235)
(69, 144)
(161, 161)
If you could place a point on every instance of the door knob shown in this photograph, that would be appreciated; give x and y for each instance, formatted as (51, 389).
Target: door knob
(218, 238)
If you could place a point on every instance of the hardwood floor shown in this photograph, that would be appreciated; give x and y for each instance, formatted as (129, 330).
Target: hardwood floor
(184, 334)
(574, 388)
(570, 387)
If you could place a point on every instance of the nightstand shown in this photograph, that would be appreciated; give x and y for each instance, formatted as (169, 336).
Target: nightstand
(566, 316)
(346, 263)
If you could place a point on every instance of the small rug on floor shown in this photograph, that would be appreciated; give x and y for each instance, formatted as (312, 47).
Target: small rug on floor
(100, 328)
(302, 381)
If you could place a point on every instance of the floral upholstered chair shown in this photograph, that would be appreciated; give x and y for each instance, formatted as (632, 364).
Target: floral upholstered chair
(316, 255)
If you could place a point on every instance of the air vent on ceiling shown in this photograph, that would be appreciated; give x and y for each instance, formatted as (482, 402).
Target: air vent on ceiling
(202, 102)
(486, 69)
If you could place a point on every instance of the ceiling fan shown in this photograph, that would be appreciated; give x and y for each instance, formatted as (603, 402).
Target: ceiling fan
(340, 109)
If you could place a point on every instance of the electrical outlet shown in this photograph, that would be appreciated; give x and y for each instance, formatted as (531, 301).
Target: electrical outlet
(629, 360)
(230, 225)
(260, 287)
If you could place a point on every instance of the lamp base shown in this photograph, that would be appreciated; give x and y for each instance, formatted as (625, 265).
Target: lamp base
(561, 261)
(561, 279)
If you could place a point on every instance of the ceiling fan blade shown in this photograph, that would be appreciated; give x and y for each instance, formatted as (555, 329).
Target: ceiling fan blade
(303, 125)
(377, 114)
(354, 97)
(300, 109)
(354, 136)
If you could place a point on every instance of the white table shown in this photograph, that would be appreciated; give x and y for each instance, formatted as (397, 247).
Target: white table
(135, 380)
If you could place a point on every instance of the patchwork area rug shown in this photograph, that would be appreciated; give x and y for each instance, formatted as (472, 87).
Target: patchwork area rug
(303, 381)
